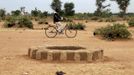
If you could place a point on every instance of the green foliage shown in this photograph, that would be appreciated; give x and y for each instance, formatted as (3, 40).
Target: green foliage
(111, 19)
(130, 15)
(100, 9)
(105, 13)
(0, 19)
(67, 19)
(131, 23)
(83, 16)
(123, 4)
(78, 26)
(43, 14)
(16, 13)
(10, 22)
(95, 18)
(25, 22)
(116, 31)
(42, 21)
(38, 14)
(35, 13)
(36, 18)
(107, 19)
(56, 4)
(20, 21)
(101, 20)
(2, 13)
(68, 9)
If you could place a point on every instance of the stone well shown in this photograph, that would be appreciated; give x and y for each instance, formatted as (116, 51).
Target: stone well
(65, 54)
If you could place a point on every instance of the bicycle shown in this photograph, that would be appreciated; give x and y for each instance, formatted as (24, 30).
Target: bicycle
(51, 31)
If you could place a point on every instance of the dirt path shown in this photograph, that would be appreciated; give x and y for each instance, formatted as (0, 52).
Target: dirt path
(15, 43)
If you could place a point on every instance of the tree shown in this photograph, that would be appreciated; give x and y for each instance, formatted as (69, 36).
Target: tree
(2, 13)
(56, 4)
(16, 13)
(123, 4)
(43, 14)
(35, 12)
(68, 9)
(100, 7)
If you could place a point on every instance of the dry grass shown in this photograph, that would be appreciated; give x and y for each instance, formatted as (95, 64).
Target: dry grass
(14, 45)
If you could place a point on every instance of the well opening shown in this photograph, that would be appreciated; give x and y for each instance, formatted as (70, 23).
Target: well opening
(65, 48)
(64, 53)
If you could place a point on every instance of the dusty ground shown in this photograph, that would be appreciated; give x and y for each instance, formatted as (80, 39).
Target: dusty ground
(14, 44)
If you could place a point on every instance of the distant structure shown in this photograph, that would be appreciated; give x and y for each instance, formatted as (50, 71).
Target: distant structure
(22, 9)
(23, 12)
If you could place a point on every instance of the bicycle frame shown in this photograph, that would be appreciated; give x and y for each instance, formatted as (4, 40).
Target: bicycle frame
(56, 27)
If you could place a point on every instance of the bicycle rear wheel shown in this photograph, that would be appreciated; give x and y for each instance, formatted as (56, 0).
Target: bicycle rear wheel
(70, 33)
(51, 32)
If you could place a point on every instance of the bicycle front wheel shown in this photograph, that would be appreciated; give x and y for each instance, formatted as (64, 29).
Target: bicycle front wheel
(71, 33)
(51, 32)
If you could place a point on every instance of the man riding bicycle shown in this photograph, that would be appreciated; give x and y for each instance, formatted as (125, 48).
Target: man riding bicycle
(56, 19)
(51, 31)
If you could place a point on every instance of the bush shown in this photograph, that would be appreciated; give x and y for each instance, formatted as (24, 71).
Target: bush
(20, 21)
(110, 20)
(25, 22)
(100, 20)
(42, 21)
(116, 31)
(36, 19)
(67, 20)
(95, 18)
(106, 14)
(131, 23)
(2, 14)
(78, 26)
(82, 16)
(0, 19)
(10, 22)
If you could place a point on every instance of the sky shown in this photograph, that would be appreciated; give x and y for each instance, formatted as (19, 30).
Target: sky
(44, 5)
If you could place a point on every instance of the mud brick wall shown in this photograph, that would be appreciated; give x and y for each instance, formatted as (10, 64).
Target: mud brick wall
(65, 56)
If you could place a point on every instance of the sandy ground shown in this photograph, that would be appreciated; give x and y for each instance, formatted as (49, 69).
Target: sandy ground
(14, 44)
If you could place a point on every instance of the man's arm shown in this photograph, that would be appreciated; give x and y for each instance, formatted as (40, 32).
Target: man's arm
(58, 16)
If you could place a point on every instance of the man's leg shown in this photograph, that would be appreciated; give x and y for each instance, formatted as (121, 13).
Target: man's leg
(60, 26)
